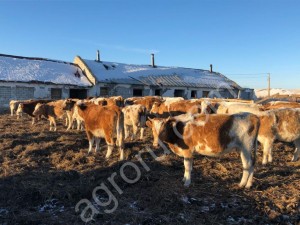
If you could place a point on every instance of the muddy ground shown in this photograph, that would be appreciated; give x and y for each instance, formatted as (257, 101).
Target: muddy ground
(44, 174)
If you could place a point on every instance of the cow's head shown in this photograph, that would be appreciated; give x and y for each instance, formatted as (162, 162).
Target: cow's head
(155, 108)
(39, 109)
(168, 130)
(19, 111)
(68, 104)
(157, 125)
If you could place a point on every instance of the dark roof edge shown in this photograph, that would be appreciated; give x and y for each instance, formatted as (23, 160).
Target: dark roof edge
(41, 82)
(37, 58)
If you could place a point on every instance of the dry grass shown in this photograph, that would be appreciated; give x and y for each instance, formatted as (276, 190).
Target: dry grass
(44, 174)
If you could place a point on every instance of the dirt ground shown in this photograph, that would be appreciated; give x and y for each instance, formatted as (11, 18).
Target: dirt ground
(44, 174)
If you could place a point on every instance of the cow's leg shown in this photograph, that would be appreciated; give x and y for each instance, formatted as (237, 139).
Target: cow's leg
(247, 168)
(50, 123)
(188, 166)
(33, 121)
(54, 124)
(66, 121)
(73, 123)
(110, 143)
(134, 132)
(126, 131)
(142, 133)
(91, 139)
(97, 144)
(297, 150)
(267, 150)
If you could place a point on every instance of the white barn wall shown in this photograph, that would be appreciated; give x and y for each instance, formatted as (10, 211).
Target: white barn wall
(41, 91)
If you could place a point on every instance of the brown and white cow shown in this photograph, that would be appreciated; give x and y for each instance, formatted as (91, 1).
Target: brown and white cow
(28, 108)
(223, 107)
(281, 125)
(146, 101)
(135, 117)
(103, 121)
(72, 114)
(212, 135)
(175, 108)
(13, 106)
(281, 104)
(51, 111)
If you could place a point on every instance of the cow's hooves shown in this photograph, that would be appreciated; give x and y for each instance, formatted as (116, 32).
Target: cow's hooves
(187, 184)
(248, 186)
(294, 159)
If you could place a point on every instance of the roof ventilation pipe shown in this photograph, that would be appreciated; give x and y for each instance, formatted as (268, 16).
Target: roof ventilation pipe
(98, 56)
(152, 60)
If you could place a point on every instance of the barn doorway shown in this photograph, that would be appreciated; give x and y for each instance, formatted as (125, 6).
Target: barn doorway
(193, 94)
(137, 92)
(178, 93)
(56, 93)
(78, 93)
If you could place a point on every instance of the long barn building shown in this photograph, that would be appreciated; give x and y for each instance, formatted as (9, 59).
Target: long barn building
(39, 78)
(127, 80)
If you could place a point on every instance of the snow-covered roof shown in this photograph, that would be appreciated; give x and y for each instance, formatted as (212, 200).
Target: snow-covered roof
(158, 75)
(25, 69)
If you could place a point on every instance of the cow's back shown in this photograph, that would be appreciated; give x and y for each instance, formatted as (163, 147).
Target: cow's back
(287, 124)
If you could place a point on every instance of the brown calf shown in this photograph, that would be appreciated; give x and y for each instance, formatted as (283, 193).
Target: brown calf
(281, 125)
(175, 108)
(103, 121)
(135, 117)
(51, 111)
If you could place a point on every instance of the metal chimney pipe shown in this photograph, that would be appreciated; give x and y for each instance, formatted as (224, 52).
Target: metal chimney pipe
(98, 56)
(152, 60)
(211, 68)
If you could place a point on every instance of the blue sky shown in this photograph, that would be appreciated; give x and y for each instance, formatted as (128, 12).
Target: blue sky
(242, 39)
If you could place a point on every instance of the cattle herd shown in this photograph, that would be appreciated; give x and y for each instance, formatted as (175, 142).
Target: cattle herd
(209, 127)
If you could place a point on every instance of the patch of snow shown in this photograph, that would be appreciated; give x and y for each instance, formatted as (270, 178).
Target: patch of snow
(185, 199)
(261, 93)
(51, 205)
(3, 211)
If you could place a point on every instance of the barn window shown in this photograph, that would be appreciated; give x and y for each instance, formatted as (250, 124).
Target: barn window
(78, 93)
(193, 94)
(5, 92)
(104, 91)
(157, 92)
(137, 92)
(205, 94)
(178, 93)
(23, 93)
(56, 93)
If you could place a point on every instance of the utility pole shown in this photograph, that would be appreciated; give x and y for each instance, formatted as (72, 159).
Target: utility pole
(269, 85)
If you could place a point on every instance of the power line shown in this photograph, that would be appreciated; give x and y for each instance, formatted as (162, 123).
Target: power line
(246, 74)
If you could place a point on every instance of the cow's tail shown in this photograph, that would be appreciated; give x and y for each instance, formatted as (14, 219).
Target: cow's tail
(120, 130)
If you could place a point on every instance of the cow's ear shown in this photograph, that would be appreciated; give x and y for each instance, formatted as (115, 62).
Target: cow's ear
(149, 123)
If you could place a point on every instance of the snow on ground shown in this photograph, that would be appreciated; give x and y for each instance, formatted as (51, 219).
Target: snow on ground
(25, 70)
(261, 93)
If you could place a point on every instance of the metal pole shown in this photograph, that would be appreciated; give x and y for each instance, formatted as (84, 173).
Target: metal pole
(269, 85)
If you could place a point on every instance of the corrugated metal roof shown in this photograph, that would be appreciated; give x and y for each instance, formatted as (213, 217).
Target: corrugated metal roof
(158, 75)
